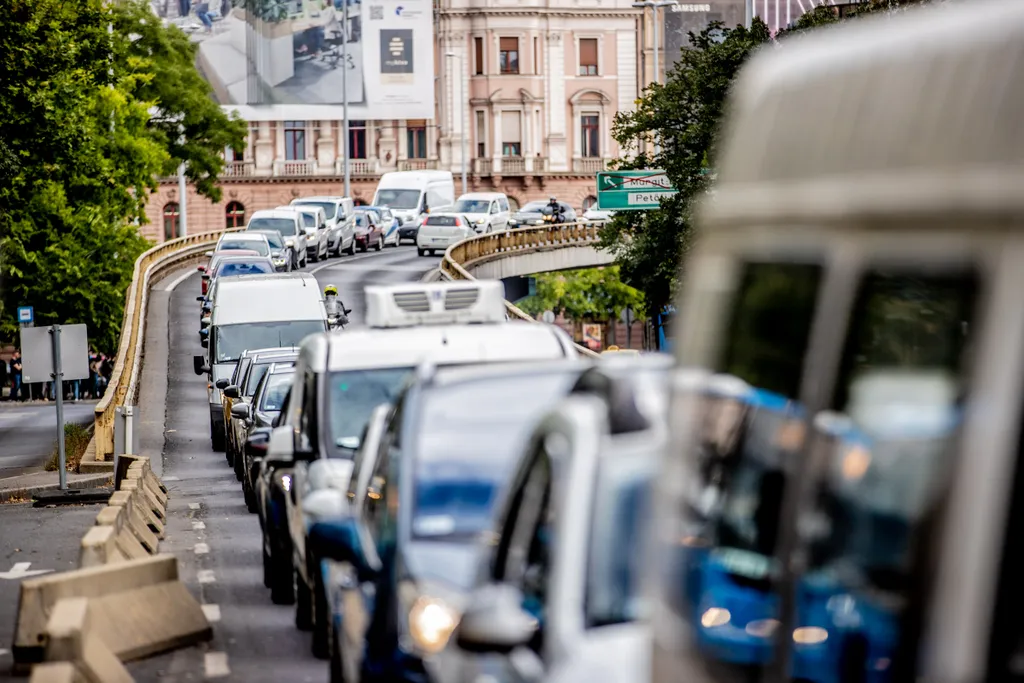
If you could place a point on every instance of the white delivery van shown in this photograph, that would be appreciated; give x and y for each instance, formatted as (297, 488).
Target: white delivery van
(410, 194)
(341, 224)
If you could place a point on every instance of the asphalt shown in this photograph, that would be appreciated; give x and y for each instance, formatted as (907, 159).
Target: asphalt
(208, 526)
(28, 433)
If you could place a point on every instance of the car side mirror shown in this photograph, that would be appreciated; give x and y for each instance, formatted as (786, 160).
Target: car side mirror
(222, 383)
(205, 322)
(338, 539)
(205, 344)
(231, 391)
(280, 447)
(239, 410)
(208, 253)
(200, 298)
(347, 311)
(495, 621)
(198, 364)
(324, 504)
(201, 269)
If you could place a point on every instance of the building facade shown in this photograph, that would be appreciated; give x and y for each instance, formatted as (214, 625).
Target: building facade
(528, 89)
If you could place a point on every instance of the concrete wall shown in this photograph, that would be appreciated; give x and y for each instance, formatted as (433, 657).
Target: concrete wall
(556, 258)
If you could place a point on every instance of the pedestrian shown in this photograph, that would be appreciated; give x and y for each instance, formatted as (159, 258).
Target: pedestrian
(94, 374)
(3, 378)
(203, 12)
(16, 388)
(184, 7)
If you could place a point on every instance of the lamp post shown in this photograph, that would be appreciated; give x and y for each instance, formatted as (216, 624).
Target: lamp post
(462, 129)
(344, 95)
(655, 5)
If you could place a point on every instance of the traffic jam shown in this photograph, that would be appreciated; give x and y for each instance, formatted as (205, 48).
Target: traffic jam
(818, 486)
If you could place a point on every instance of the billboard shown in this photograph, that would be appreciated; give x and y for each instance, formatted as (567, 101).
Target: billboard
(686, 17)
(290, 59)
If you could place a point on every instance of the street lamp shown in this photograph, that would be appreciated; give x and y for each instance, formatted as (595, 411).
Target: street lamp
(655, 5)
(344, 96)
(462, 127)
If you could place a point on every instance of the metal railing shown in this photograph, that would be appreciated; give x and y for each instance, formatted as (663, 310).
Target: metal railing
(124, 380)
(492, 246)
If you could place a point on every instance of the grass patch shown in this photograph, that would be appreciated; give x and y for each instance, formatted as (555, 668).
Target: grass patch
(76, 440)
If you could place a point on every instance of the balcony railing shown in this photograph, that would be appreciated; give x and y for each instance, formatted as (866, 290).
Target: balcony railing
(482, 166)
(356, 167)
(588, 165)
(416, 164)
(513, 165)
(306, 167)
(239, 169)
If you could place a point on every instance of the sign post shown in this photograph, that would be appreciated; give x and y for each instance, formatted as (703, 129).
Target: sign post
(632, 190)
(58, 394)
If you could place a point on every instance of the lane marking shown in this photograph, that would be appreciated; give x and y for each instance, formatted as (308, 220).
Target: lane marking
(391, 269)
(206, 576)
(17, 414)
(215, 664)
(193, 506)
(181, 278)
(3, 652)
(172, 478)
(201, 548)
(351, 259)
(212, 613)
(198, 526)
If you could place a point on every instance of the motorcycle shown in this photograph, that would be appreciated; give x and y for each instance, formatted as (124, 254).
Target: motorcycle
(549, 216)
(338, 320)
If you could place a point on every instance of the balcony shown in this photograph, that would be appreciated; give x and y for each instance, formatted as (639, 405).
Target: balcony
(303, 168)
(482, 166)
(513, 165)
(416, 164)
(356, 167)
(588, 165)
(239, 169)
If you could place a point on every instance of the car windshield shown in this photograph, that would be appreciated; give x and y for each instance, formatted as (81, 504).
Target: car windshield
(243, 268)
(328, 207)
(470, 437)
(231, 340)
(361, 220)
(618, 520)
(398, 199)
(473, 205)
(285, 226)
(256, 374)
(352, 396)
(308, 220)
(533, 207)
(446, 221)
(274, 238)
(274, 394)
(259, 246)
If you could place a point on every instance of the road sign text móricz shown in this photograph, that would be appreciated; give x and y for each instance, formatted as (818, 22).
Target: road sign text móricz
(632, 190)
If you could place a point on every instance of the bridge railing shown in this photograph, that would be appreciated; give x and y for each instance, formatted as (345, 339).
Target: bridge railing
(123, 387)
(492, 246)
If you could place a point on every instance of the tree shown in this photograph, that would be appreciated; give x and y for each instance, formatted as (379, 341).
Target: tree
(82, 148)
(587, 294)
(682, 116)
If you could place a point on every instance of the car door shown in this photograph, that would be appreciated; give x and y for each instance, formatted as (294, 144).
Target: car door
(499, 218)
(359, 599)
(236, 377)
(308, 439)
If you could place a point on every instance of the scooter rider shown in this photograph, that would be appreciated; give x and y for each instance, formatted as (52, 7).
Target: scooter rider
(336, 311)
(556, 213)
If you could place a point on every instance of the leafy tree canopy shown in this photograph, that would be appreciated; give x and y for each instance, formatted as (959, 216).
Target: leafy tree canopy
(587, 294)
(84, 115)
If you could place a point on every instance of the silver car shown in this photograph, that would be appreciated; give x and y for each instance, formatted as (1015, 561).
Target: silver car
(289, 224)
(314, 222)
(341, 226)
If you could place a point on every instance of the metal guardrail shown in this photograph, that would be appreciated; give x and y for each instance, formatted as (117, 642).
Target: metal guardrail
(498, 245)
(122, 389)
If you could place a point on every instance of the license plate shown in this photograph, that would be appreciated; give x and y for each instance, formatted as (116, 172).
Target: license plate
(438, 239)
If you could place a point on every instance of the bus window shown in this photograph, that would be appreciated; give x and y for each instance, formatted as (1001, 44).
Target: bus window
(719, 563)
(887, 448)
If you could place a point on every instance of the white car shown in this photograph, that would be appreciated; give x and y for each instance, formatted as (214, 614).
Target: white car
(314, 223)
(341, 226)
(558, 600)
(440, 231)
(597, 215)
(486, 211)
(289, 224)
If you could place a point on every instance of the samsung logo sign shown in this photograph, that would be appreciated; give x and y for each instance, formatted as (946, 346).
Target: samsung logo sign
(691, 8)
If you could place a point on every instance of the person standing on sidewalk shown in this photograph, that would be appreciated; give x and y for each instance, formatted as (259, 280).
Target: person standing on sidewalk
(16, 388)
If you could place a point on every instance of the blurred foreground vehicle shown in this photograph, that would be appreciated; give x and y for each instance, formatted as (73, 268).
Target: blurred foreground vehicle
(860, 274)
(559, 599)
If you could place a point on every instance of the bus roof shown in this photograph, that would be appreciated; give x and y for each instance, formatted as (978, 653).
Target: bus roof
(915, 114)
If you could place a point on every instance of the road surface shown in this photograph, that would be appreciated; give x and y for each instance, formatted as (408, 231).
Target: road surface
(28, 433)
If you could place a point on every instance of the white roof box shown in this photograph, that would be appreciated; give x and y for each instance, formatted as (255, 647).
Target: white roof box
(436, 303)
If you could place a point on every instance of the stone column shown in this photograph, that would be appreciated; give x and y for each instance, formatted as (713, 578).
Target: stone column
(325, 149)
(263, 149)
(557, 157)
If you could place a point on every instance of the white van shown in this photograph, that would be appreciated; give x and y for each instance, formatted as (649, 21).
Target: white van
(341, 225)
(314, 222)
(486, 211)
(410, 194)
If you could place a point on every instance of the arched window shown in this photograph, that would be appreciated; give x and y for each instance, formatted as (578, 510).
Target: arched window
(235, 215)
(589, 202)
(171, 217)
(359, 202)
(513, 204)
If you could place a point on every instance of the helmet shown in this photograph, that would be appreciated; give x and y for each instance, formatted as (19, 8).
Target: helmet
(330, 289)
(552, 200)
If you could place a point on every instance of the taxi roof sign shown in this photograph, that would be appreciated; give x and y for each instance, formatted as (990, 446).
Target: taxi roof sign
(437, 303)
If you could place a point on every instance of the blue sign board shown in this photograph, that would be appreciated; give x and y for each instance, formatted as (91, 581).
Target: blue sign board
(25, 315)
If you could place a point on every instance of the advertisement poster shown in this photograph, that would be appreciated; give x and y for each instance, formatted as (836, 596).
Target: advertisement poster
(290, 59)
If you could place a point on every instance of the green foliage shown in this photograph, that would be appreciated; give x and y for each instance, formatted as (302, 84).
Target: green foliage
(587, 294)
(682, 115)
(80, 152)
(76, 440)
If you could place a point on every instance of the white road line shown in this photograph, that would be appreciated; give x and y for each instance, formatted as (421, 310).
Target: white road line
(193, 506)
(198, 526)
(215, 664)
(340, 264)
(15, 415)
(206, 576)
(172, 478)
(181, 278)
(212, 613)
(201, 548)
(3, 652)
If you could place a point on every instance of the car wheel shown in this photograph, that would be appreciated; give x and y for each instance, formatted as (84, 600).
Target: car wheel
(268, 570)
(217, 439)
(249, 495)
(237, 464)
(380, 243)
(321, 616)
(303, 604)
(352, 247)
(421, 252)
(282, 576)
(316, 255)
(337, 667)
(305, 261)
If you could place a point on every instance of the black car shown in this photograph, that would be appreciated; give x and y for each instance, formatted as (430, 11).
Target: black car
(532, 214)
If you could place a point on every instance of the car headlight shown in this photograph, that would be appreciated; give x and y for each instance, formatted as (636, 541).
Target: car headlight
(289, 243)
(481, 221)
(810, 635)
(431, 623)
(715, 616)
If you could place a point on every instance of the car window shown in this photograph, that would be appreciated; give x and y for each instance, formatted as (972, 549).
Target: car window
(445, 221)
(228, 269)
(308, 413)
(309, 220)
(285, 226)
(247, 245)
(375, 505)
(503, 203)
(273, 239)
(275, 392)
(240, 369)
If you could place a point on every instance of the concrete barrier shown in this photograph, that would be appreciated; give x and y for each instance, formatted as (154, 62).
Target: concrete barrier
(72, 637)
(56, 672)
(116, 517)
(136, 608)
(149, 509)
(100, 547)
(136, 521)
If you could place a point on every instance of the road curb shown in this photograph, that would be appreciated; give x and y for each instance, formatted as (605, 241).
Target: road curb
(27, 491)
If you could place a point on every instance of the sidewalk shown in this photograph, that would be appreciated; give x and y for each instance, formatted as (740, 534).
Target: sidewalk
(24, 486)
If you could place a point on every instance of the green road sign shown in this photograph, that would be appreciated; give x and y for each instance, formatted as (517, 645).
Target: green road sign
(632, 190)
